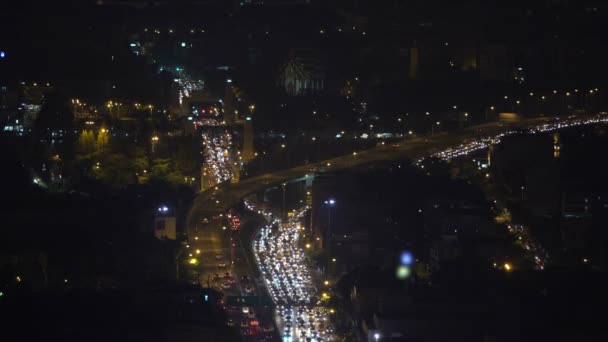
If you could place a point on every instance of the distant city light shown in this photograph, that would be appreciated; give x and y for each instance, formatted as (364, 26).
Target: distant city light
(2, 54)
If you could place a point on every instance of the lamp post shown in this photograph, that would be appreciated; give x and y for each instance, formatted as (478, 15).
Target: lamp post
(433, 127)
(284, 214)
(330, 203)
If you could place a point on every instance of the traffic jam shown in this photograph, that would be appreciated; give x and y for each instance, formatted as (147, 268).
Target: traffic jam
(299, 313)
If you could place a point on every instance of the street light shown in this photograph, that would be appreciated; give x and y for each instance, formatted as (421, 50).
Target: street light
(377, 336)
(433, 127)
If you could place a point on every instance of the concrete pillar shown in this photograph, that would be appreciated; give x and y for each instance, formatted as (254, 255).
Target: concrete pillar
(248, 152)
(414, 59)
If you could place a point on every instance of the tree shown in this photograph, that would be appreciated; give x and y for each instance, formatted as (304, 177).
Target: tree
(55, 122)
(86, 142)
(103, 137)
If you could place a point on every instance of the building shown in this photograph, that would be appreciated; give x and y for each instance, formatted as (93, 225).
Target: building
(165, 227)
(303, 73)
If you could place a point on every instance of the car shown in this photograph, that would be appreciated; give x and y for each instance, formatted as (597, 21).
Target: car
(221, 264)
(244, 324)
(226, 275)
(216, 276)
(254, 323)
(218, 257)
(225, 285)
(230, 322)
(205, 220)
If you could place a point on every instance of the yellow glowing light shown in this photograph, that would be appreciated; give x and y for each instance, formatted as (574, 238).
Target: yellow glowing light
(508, 266)
(198, 251)
(193, 261)
(307, 246)
(326, 282)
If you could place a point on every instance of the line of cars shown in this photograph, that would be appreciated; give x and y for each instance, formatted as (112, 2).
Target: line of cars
(288, 279)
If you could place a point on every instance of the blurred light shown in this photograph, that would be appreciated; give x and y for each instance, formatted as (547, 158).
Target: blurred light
(193, 261)
(403, 272)
(2, 54)
(407, 259)
(206, 298)
(508, 266)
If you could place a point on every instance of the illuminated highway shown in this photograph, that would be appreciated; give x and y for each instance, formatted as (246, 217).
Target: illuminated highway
(218, 156)
(288, 279)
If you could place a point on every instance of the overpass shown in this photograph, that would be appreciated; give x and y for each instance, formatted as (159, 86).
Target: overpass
(221, 198)
(226, 195)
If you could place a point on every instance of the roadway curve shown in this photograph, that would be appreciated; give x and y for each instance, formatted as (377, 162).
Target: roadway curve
(228, 194)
